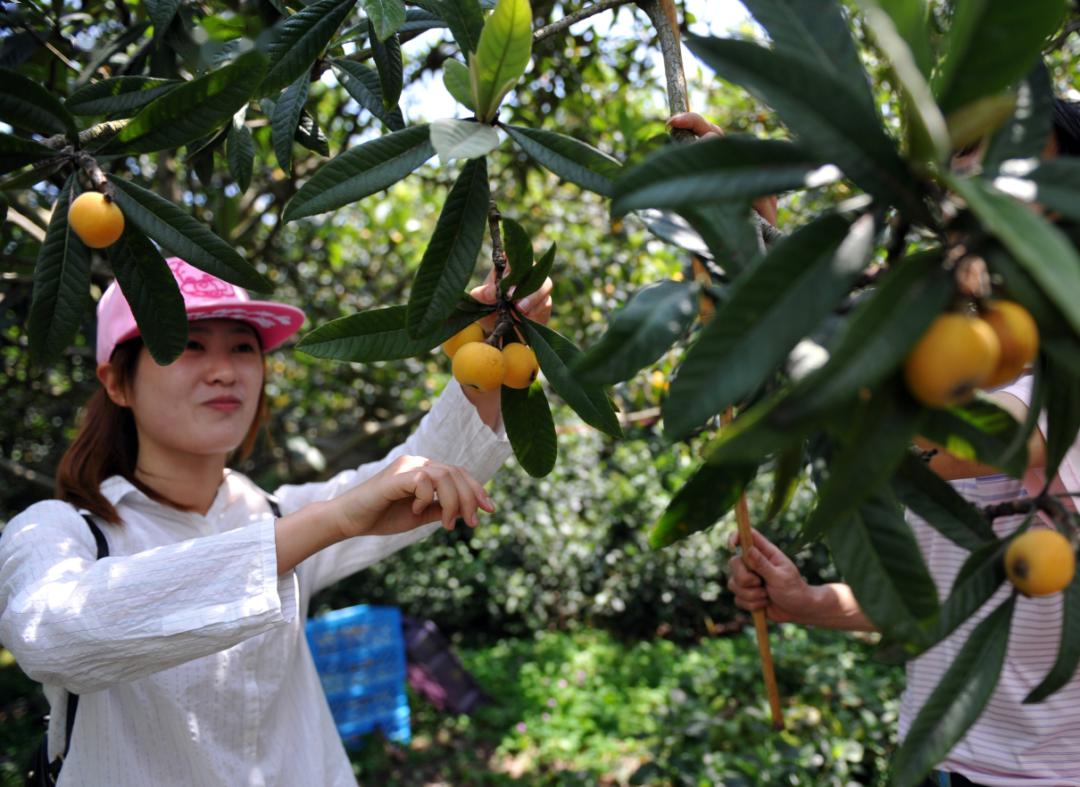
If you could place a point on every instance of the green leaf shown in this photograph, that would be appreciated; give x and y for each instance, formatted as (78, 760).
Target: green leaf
(149, 287)
(450, 257)
(362, 83)
(462, 139)
(361, 171)
(568, 158)
(935, 500)
(161, 14)
(878, 556)
(870, 450)
(818, 31)
(286, 118)
(754, 434)
(974, 67)
(530, 428)
(536, 275)
(458, 83)
(979, 431)
(192, 110)
(558, 356)
(1025, 135)
(1062, 413)
(378, 335)
(877, 337)
(465, 20)
(185, 236)
(823, 111)
(641, 332)
(27, 105)
(1051, 183)
(300, 39)
(729, 232)
(501, 56)
(772, 306)
(311, 136)
(788, 470)
(709, 494)
(910, 18)
(957, 700)
(1041, 248)
(119, 96)
(725, 168)
(386, 16)
(61, 283)
(103, 53)
(519, 253)
(240, 152)
(1064, 669)
(387, 56)
(17, 152)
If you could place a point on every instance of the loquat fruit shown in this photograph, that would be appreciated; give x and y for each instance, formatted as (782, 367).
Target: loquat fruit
(521, 366)
(470, 333)
(955, 356)
(479, 366)
(1040, 562)
(1018, 336)
(96, 219)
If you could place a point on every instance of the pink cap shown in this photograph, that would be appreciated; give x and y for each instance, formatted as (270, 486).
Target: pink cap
(206, 297)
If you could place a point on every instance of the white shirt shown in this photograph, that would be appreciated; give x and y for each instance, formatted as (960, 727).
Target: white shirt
(187, 648)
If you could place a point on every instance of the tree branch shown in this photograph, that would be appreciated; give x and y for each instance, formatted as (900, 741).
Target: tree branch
(570, 19)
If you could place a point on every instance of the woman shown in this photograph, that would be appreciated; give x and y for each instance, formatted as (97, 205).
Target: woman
(187, 642)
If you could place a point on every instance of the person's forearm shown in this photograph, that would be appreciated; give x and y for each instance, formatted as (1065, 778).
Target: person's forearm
(303, 533)
(834, 606)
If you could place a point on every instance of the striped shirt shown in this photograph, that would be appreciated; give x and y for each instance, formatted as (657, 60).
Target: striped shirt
(1011, 743)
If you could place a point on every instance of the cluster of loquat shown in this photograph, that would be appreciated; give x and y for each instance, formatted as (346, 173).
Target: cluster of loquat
(484, 367)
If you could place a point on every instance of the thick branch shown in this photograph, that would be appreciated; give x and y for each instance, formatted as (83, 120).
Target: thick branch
(668, 35)
(106, 129)
(571, 19)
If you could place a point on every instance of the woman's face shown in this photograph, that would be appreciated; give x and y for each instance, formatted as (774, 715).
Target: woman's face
(204, 402)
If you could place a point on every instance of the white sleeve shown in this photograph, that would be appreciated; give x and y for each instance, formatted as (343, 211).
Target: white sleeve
(451, 433)
(86, 624)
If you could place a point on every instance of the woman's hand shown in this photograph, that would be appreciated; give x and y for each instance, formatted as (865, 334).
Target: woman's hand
(765, 578)
(535, 306)
(409, 492)
(692, 121)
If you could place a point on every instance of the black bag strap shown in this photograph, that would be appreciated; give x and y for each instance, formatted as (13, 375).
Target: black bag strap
(73, 699)
(275, 507)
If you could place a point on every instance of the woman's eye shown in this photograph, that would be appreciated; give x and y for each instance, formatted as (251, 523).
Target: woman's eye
(246, 347)
(193, 345)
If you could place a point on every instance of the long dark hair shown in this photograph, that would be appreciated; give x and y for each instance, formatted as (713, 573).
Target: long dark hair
(107, 443)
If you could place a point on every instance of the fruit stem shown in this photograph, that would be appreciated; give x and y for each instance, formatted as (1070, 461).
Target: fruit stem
(97, 178)
(504, 317)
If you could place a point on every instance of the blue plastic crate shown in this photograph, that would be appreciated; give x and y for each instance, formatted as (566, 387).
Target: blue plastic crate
(360, 655)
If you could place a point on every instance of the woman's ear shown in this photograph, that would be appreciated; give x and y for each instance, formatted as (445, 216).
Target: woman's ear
(110, 381)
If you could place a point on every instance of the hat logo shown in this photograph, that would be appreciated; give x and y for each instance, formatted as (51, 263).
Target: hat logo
(199, 284)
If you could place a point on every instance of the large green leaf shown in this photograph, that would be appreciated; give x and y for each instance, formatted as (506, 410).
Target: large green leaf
(450, 257)
(1054, 184)
(149, 287)
(240, 152)
(934, 499)
(501, 55)
(361, 171)
(991, 44)
(27, 105)
(193, 109)
(378, 335)
(161, 14)
(519, 253)
(732, 167)
(300, 39)
(118, 96)
(769, 308)
(957, 700)
(362, 83)
(818, 31)
(386, 16)
(1064, 669)
(754, 434)
(1062, 412)
(878, 556)
(641, 332)
(557, 356)
(709, 494)
(877, 337)
(530, 429)
(979, 431)
(286, 118)
(61, 283)
(536, 275)
(1040, 247)
(729, 232)
(910, 19)
(1025, 134)
(872, 447)
(823, 111)
(457, 82)
(17, 152)
(568, 158)
(465, 20)
(388, 64)
(185, 236)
